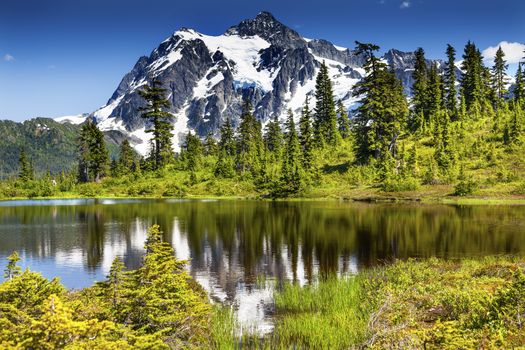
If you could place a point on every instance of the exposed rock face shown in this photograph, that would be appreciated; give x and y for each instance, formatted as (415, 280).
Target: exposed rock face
(207, 77)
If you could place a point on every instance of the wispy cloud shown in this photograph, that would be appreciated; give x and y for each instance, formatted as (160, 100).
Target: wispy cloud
(405, 4)
(8, 57)
(514, 52)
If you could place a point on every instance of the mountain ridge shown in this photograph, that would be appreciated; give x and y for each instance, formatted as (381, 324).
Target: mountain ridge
(207, 77)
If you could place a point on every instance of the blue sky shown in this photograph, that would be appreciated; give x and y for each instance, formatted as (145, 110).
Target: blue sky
(62, 57)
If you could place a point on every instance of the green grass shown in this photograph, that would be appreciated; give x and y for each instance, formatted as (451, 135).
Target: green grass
(331, 314)
(427, 304)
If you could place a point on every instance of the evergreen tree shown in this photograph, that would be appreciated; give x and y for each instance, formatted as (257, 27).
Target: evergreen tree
(450, 83)
(12, 269)
(192, 152)
(499, 78)
(155, 112)
(306, 137)
(93, 156)
(412, 164)
(471, 78)
(210, 145)
(291, 168)
(382, 113)
(116, 282)
(225, 166)
(325, 117)
(343, 122)
(126, 160)
(519, 87)
(273, 139)
(26, 170)
(249, 142)
(434, 92)
(420, 87)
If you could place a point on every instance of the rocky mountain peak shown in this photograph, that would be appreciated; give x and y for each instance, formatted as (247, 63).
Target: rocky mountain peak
(266, 26)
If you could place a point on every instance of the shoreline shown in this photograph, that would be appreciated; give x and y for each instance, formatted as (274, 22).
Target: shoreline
(371, 199)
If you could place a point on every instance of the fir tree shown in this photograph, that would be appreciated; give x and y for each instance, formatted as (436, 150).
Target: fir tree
(273, 139)
(343, 122)
(192, 152)
(449, 88)
(499, 78)
(225, 166)
(26, 172)
(306, 137)
(93, 156)
(115, 282)
(210, 145)
(412, 164)
(383, 110)
(471, 78)
(325, 118)
(420, 86)
(291, 168)
(519, 86)
(127, 158)
(249, 142)
(155, 112)
(12, 269)
(434, 92)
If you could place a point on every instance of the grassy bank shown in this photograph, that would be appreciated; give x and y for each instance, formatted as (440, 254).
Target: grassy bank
(430, 304)
(167, 184)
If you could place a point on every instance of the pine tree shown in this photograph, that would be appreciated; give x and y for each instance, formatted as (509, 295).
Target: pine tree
(12, 269)
(225, 166)
(155, 112)
(412, 164)
(249, 142)
(449, 88)
(343, 122)
(127, 158)
(26, 172)
(519, 87)
(434, 92)
(325, 118)
(499, 77)
(420, 86)
(381, 116)
(93, 156)
(291, 168)
(306, 137)
(115, 282)
(273, 139)
(210, 145)
(471, 79)
(192, 152)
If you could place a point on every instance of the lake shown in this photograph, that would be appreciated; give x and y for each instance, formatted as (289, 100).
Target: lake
(238, 250)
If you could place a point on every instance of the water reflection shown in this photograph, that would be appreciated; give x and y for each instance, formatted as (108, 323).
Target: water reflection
(234, 245)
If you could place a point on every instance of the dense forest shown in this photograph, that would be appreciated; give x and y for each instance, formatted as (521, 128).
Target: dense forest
(452, 136)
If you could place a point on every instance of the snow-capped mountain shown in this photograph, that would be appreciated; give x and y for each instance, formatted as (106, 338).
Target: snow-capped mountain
(207, 77)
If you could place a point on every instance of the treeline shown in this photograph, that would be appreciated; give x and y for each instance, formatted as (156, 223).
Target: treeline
(448, 130)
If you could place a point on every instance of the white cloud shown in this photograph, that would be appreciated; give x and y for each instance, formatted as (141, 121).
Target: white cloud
(8, 57)
(404, 4)
(514, 52)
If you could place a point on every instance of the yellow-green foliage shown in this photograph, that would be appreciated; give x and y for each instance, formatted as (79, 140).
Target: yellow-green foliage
(437, 304)
(155, 307)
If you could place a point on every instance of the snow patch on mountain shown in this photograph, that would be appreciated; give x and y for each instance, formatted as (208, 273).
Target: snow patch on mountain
(242, 52)
(72, 119)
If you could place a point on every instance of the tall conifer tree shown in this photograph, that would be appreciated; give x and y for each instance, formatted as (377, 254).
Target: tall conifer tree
(156, 112)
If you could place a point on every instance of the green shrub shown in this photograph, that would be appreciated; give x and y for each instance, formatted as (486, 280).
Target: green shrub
(400, 185)
(465, 187)
(175, 190)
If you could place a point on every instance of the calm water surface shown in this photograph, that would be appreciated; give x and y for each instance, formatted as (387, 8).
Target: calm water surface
(233, 245)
